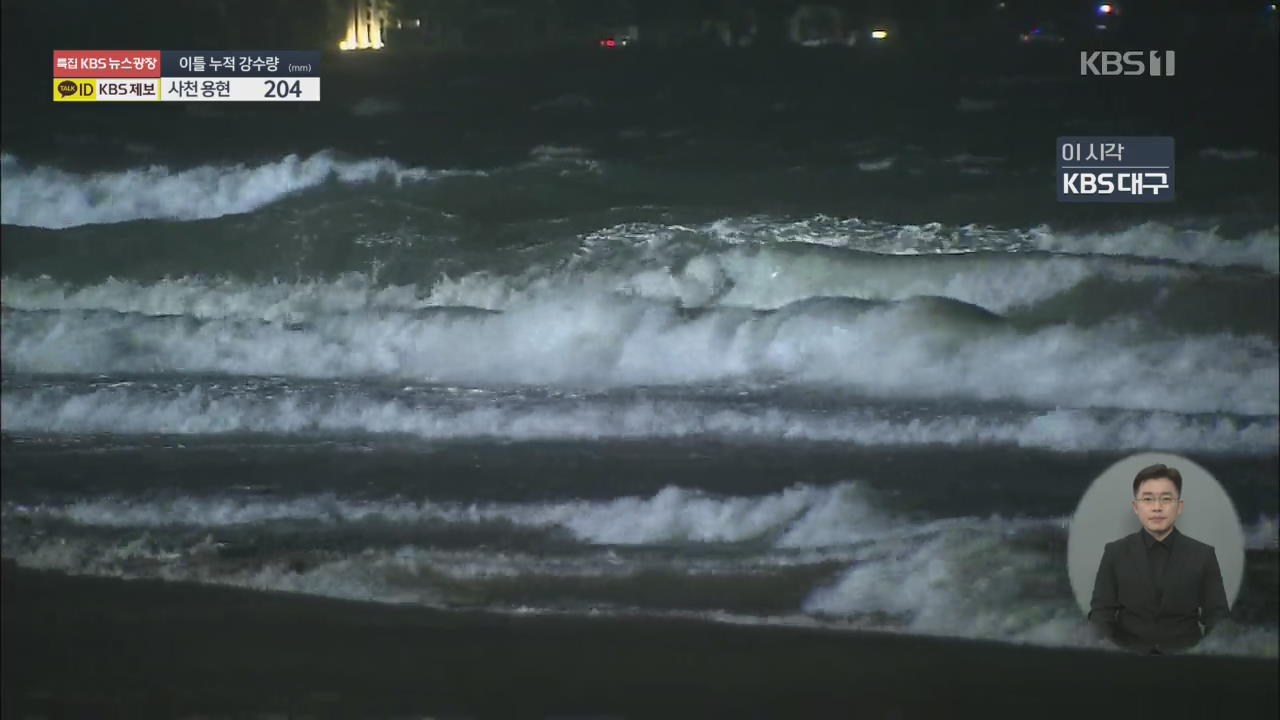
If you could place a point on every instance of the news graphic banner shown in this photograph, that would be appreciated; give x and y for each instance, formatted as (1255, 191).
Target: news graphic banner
(1115, 169)
(186, 75)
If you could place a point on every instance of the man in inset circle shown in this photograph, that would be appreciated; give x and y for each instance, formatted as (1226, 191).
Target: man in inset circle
(1157, 587)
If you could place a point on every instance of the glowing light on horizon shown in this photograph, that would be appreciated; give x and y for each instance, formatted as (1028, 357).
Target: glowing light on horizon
(366, 26)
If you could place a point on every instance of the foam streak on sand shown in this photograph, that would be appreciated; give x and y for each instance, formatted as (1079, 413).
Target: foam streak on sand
(893, 574)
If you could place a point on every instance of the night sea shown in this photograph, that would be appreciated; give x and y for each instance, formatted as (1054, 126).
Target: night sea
(610, 350)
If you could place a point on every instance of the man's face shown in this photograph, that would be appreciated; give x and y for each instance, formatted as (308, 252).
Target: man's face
(1157, 505)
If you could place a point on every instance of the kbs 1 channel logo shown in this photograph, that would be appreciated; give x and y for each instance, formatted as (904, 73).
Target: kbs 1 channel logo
(1111, 63)
(1115, 169)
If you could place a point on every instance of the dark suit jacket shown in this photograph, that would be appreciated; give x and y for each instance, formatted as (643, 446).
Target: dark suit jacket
(1124, 606)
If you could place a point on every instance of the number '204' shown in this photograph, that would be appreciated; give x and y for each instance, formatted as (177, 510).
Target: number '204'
(283, 88)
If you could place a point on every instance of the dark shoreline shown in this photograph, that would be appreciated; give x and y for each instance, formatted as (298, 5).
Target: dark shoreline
(93, 647)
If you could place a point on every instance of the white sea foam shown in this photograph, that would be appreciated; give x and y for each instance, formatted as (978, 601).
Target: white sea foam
(970, 105)
(374, 106)
(558, 151)
(876, 165)
(657, 266)
(970, 159)
(799, 517)
(961, 577)
(959, 582)
(222, 298)
(48, 197)
(1258, 249)
(984, 584)
(1154, 240)
(201, 410)
(917, 349)
(835, 521)
(770, 277)
(568, 101)
(1214, 153)
(1263, 533)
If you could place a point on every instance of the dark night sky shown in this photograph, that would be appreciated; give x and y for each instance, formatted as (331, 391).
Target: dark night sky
(33, 28)
(300, 23)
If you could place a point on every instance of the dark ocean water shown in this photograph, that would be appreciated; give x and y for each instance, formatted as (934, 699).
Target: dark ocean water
(621, 340)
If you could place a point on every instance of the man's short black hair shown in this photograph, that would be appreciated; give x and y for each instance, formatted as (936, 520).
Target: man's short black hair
(1159, 470)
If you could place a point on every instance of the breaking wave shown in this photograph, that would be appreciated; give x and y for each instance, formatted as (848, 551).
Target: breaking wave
(47, 197)
(135, 408)
(919, 348)
(988, 578)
